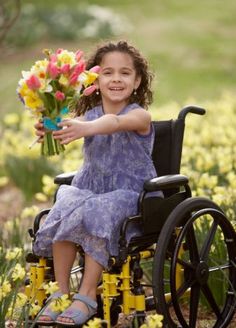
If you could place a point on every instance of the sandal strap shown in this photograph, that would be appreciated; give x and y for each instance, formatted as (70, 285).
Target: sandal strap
(86, 300)
(54, 296)
(46, 311)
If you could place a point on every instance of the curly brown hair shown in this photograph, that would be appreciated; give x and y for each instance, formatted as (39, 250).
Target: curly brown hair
(143, 94)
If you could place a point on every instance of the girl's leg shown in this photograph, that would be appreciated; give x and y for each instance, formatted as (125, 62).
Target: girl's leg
(92, 275)
(64, 253)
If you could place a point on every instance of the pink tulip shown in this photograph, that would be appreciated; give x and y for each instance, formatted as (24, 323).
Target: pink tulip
(59, 51)
(60, 96)
(79, 54)
(78, 69)
(73, 78)
(65, 68)
(95, 69)
(33, 82)
(89, 90)
(53, 70)
(53, 58)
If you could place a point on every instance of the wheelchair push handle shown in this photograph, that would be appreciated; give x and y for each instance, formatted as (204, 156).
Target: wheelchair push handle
(191, 109)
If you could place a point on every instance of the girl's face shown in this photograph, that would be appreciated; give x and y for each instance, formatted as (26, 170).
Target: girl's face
(117, 79)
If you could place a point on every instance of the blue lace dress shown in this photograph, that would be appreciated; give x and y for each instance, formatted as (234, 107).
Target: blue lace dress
(103, 193)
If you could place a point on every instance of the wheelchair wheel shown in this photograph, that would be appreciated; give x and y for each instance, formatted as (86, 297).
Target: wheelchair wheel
(194, 272)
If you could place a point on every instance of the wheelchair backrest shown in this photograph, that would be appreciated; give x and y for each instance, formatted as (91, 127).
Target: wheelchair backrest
(168, 143)
(167, 148)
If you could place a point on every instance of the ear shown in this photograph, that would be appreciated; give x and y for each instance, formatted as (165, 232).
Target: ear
(137, 82)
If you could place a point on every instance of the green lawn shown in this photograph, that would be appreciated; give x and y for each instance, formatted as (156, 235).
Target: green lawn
(190, 46)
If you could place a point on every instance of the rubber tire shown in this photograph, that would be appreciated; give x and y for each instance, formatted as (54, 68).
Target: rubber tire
(179, 216)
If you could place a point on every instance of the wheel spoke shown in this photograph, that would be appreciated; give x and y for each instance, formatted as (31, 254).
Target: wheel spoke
(220, 267)
(211, 300)
(182, 289)
(208, 241)
(191, 239)
(194, 302)
(185, 264)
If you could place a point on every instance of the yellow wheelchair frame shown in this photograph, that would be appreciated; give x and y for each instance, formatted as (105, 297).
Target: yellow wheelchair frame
(113, 286)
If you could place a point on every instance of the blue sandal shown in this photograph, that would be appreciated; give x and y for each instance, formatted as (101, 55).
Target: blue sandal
(46, 311)
(77, 315)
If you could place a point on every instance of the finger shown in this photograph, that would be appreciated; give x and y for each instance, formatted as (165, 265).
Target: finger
(38, 125)
(40, 133)
(61, 133)
(65, 122)
(67, 140)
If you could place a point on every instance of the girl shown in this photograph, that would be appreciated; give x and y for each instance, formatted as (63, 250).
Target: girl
(118, 139)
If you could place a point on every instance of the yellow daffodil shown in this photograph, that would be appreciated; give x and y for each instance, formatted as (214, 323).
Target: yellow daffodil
(23, 88)
(49, 186)
(34, 309)
(18, 272)
(95, 323)
(21, 300)
(60, 304)
(11, 119)
(41, 197)
(14, 253)
(5, 288)
(31, 211)
(66, 57)
(9, 311)
(40, 69)
(51, 287)
(64, 81)
(33, 101)
(87, 78)
(153, 321)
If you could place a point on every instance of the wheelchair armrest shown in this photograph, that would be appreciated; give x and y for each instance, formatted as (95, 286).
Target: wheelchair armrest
(165, 182)
(64, 178)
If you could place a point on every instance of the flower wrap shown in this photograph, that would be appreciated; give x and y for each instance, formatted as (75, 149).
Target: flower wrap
(52, 88)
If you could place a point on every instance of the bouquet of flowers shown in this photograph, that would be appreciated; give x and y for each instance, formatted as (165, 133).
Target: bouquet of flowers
(52, 88)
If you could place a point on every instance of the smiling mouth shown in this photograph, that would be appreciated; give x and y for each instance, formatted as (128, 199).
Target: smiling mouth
(116, 89)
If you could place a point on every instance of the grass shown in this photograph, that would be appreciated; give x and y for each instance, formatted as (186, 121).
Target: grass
(189, 45)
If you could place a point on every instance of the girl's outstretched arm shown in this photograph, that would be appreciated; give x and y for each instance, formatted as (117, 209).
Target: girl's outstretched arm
(137, 120)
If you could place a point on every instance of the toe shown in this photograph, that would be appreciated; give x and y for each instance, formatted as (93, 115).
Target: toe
(44, 318)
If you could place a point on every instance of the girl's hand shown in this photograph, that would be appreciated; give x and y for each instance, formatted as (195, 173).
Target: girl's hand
(72, 129)
(40, 131)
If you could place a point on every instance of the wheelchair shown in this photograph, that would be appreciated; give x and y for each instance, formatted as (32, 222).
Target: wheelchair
(187, 243)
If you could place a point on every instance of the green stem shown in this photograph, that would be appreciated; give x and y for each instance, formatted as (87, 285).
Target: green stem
(51, 146)
(51, 150)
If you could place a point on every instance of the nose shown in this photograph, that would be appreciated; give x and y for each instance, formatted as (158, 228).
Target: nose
(116, 77)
